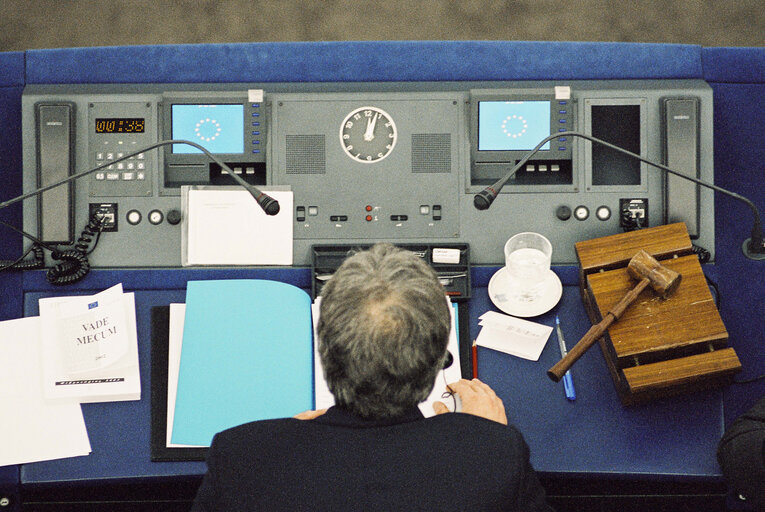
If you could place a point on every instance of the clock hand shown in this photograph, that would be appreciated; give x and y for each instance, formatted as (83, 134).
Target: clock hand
(371, 123)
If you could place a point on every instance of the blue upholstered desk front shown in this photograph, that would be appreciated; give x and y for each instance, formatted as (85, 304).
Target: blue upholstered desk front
(595, 435)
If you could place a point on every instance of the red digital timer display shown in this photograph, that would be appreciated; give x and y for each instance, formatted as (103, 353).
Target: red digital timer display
(120, 125)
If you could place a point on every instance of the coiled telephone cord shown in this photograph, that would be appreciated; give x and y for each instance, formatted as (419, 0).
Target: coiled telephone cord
(74, 262)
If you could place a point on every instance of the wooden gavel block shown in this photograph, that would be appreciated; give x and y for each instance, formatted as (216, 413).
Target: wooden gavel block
(658, 346)
(649, 272)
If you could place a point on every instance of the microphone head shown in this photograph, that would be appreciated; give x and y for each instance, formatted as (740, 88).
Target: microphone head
(270, 206)
(483, 199)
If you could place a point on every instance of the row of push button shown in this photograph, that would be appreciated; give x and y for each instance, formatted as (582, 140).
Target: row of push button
(125, 176)
(581, 212)
(542, 167)
(255, 129)
(563, 110)
(126, 166)
(114, 156)
(313, 211)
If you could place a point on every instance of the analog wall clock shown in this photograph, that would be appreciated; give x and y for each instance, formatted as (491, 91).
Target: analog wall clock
(368, 134)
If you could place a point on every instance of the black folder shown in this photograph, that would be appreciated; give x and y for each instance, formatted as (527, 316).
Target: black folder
(160, 335)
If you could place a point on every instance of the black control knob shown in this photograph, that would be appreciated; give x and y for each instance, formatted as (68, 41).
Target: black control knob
(563, 212)
(174, 216)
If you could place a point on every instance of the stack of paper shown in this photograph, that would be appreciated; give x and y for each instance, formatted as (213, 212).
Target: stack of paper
(512, 335)
(90, 347)
(80, 349)
(225, 226)
(33, 429)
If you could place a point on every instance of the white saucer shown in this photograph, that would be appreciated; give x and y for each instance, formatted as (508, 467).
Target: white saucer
(551, 291)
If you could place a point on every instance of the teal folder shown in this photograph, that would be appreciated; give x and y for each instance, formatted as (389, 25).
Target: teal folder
(247, 355)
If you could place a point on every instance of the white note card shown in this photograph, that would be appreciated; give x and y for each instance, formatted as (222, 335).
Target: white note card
(512, 335)
(226, 226)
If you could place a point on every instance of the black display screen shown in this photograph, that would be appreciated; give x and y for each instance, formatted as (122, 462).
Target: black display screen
(120, 125)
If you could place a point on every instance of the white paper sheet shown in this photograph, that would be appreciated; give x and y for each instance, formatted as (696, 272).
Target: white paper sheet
(225, 226)
(323, 397)
(446, 376)
(175, 344)
(512, 335)
(33, 430)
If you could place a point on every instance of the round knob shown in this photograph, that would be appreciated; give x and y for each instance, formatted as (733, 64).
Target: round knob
(156, 217)
(581, 212)
(174, 216)
(133, 217)
(563, 212)
(603, 213)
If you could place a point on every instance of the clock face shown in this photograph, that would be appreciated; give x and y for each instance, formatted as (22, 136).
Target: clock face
(368, 134)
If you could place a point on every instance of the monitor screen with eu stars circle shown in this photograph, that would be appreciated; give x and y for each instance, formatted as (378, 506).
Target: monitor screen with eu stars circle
(217, 128)
(513, 125)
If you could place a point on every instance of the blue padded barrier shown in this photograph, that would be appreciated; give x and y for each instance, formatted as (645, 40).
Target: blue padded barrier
(12, 69)
(11, 87)
(363, 61)
(10, 168)
(737, 77)
(734, 65)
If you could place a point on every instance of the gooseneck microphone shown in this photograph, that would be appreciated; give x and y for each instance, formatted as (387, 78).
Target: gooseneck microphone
(74, 262)
(753, 248)
(269, 205)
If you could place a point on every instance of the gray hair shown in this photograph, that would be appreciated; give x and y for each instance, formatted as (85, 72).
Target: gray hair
(383, 330)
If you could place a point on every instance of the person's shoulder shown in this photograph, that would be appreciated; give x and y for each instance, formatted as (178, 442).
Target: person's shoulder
(470, 419)
(474, 426)
(256, 429)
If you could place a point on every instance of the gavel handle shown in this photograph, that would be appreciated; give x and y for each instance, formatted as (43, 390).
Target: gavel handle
(596, 331)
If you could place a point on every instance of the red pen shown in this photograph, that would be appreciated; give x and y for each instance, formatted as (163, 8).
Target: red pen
(475, 360)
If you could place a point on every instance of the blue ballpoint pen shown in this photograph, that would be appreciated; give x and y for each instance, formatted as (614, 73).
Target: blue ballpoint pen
(568, 381)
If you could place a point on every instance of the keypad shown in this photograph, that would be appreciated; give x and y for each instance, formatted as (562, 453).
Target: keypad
(130, 169)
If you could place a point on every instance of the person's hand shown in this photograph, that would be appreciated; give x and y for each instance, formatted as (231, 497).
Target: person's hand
(309, 415)
(478, 399)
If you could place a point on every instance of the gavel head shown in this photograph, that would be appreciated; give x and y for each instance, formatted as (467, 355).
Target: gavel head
(663, 280)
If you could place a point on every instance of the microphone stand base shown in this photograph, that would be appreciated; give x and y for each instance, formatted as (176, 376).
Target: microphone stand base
(748, 252)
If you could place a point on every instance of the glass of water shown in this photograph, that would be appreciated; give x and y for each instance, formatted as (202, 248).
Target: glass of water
(527, 262)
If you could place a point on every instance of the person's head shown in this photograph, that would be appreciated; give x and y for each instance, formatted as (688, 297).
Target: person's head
(383, 330)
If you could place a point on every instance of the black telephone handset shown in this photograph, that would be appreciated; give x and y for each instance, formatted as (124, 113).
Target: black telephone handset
(54, 133)
(55, 143)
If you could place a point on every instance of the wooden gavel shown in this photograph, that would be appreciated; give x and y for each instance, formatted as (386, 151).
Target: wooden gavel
(649, 271)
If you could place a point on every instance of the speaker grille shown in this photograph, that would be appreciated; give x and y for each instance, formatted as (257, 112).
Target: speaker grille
(306, 154)
(431, 152)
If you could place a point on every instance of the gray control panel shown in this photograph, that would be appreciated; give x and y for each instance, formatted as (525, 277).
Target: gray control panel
(367, 162)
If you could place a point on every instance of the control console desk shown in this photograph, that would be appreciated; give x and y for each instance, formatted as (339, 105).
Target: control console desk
(286, 119)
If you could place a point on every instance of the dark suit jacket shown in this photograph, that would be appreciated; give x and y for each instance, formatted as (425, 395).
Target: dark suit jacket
(741, 454)
(342, 462)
